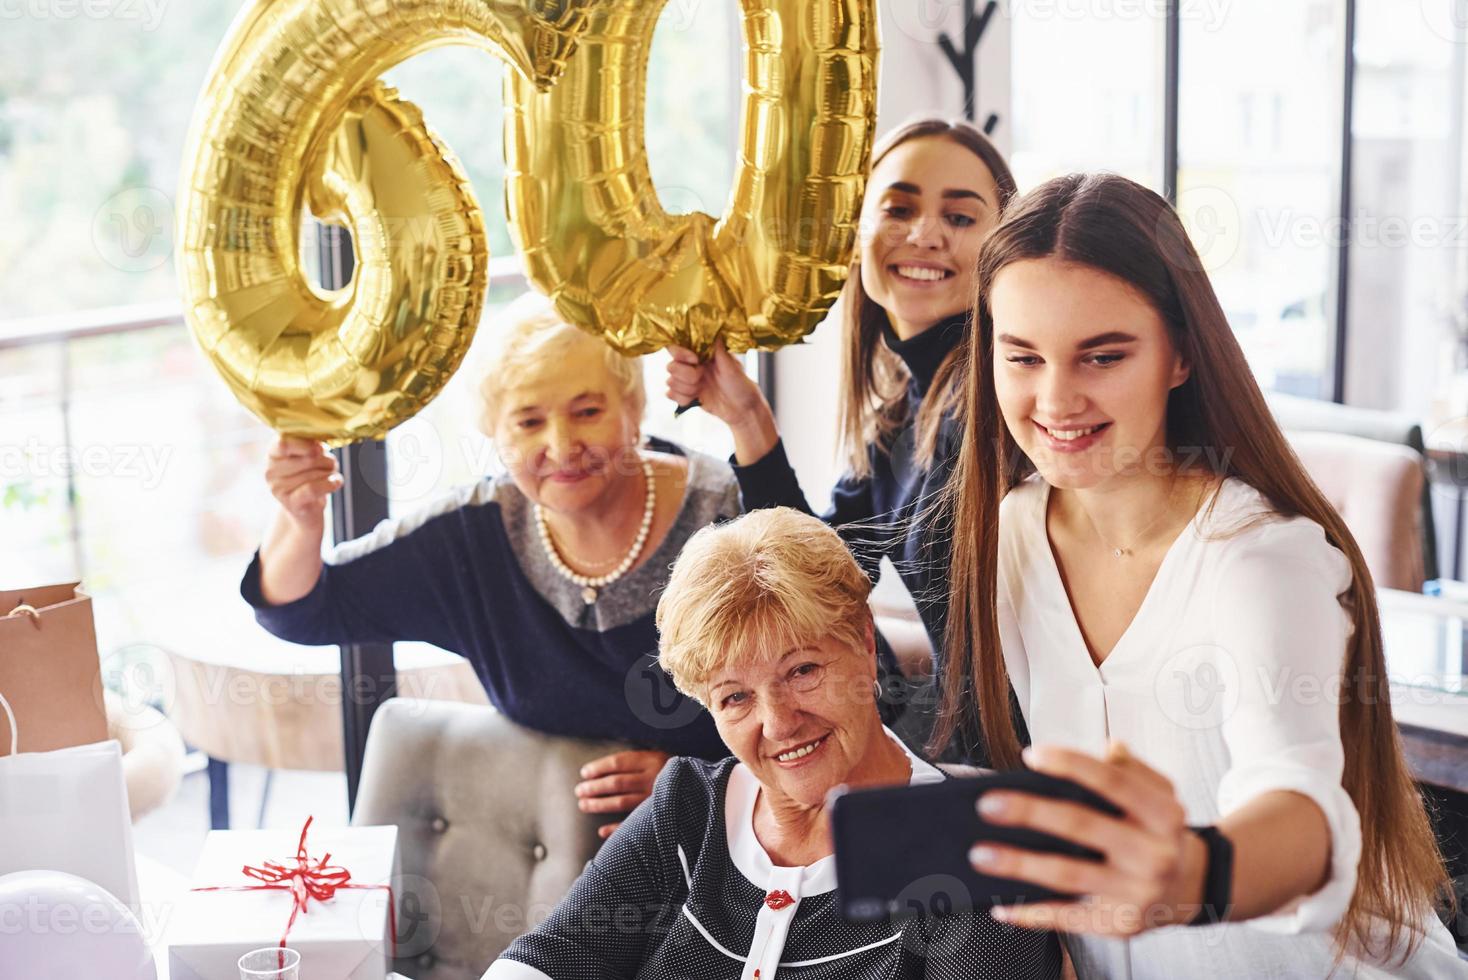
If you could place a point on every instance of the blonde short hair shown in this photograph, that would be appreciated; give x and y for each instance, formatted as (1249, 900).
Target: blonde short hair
(530, 332)
(754, 587)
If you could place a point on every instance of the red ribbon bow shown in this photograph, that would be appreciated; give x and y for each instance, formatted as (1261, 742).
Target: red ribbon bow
(306, 880)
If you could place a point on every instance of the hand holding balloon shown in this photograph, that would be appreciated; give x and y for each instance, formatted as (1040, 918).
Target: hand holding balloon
(301, 475)
(721, 388)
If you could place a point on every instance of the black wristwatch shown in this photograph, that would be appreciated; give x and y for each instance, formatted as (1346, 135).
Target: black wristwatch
(1218, 878)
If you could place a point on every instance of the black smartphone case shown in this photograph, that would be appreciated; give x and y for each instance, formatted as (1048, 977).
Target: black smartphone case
(903, 850)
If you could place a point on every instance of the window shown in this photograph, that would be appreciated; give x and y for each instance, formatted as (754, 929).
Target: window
(691, 131)
(1407, 311)
(131, 465)
(93, 113)
(1087, 92)
(1259, 177)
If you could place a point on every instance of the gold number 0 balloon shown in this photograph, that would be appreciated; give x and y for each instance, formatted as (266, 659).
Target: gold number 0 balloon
(293, 116)
(586, 216)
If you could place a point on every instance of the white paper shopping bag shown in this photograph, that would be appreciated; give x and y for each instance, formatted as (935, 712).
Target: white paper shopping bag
(66, 810)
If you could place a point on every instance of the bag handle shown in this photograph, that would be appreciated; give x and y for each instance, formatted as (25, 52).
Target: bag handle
(26, 610)
(21, 610)
(14, 729)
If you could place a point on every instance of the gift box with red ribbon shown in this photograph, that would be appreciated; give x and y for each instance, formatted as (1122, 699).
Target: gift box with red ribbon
(328, 893)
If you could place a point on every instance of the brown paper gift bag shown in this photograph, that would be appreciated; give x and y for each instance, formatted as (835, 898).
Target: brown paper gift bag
(49, 669)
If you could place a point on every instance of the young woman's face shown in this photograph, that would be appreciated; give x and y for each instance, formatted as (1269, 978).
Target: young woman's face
(566, 432)
(1083, 366)
(929, 205)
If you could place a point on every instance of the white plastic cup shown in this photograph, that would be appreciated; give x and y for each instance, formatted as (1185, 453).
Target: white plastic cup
(271, 963)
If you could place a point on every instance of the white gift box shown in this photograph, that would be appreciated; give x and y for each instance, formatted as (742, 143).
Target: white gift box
(348, 936)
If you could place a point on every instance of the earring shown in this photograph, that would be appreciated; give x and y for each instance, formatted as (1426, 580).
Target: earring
(876, 690)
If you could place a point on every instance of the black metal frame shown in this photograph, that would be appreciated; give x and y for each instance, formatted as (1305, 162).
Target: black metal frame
(1343, 240)
(1172, 47)
(1172, 58)
(767, 377)
(368, 675)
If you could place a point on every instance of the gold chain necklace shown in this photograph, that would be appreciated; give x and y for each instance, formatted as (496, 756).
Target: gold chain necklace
(1120, 552)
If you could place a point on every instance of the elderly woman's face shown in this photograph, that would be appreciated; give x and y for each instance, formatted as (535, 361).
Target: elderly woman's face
(565, 431)
(801, 722)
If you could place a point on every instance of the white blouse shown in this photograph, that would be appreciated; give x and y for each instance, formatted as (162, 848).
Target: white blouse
(1227, 681)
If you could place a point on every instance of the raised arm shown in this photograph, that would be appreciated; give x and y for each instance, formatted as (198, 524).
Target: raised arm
(301, 475)
(396, 583)
(766, 478)
(722, 389)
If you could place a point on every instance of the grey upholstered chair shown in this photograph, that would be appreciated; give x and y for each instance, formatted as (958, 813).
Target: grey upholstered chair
(1308, 415)
(489, 835)
(1376, 487)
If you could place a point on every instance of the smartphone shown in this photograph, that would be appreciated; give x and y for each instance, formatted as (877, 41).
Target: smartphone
(902, 851)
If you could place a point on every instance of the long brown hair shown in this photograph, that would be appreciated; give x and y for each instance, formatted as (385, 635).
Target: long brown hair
(1120, 228)
(873, 379)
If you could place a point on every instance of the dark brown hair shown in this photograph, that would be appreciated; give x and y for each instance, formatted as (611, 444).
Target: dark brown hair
(873, 379)
(1120, 228)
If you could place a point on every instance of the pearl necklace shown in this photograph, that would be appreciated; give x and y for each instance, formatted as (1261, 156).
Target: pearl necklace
(589, 584)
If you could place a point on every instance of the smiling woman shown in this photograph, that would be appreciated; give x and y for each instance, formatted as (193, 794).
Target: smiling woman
(1161, 560)
(543, 579)
(935, 192)
(728, 869)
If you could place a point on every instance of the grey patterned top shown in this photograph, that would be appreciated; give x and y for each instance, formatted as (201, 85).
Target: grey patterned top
(711, 495)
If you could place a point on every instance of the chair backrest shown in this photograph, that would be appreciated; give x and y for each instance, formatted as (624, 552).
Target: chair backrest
(489, 836)
(1297, 415)
(1377, 489)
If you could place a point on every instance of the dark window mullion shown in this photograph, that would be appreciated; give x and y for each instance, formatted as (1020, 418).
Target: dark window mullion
(1172, 44)
(368, 675)
(1343, 244)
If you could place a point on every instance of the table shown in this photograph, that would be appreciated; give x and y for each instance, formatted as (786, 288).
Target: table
(240, 695)
(1426, 640)
(160, 888)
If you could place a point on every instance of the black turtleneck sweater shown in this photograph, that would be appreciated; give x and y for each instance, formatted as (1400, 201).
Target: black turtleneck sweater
(874, 514)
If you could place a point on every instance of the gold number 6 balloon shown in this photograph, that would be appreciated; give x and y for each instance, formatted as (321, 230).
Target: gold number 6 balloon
(293, 117)
(586, 216)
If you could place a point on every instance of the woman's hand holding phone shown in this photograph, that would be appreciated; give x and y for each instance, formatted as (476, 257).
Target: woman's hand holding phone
(1152, 866)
